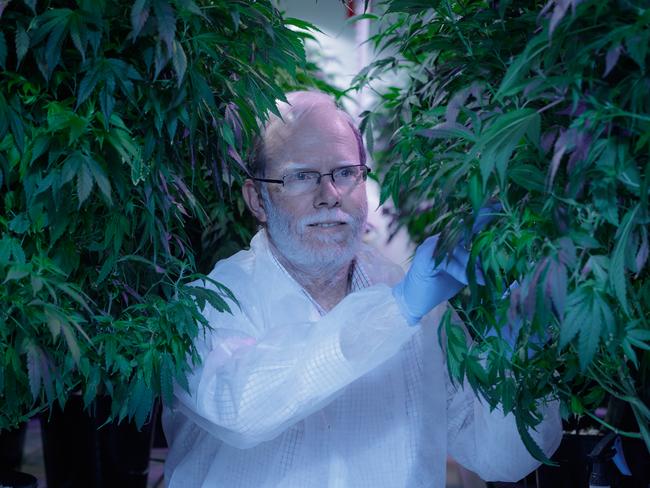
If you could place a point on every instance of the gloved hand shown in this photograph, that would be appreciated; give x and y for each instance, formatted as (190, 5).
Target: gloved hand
(427, 285)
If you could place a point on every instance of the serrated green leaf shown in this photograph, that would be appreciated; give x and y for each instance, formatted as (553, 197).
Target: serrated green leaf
(640, 334)
(137, 392)
(106, 98)
(474, 369)
(84, 183)
(100, 178)
(130, 153)
(34, 371)
(22, 44)
(77, 126)
(455, 346)
(577, 316)
(58, 25)
(40, 144)
(57, 116)
(76, 295)
(166, 21)
(500, 139)
(448, 130)
(182, 381)
(71, 167)
(639, 344)
(222, 291)
(144, 409)
(200, 86)
(91, 385)
(191, 7)
(590, 335)
(71, 341)
(166, 380)
(527, 176)
(608, 317)
(18, 271)
(508, 394)
(521, 66)
(529, 442)
(139, 16)
(179, 60)
(88, 84)
(215, 300)
(17, 251)
(303, 24)
(104, 271)
(77, 35)
(617, 269)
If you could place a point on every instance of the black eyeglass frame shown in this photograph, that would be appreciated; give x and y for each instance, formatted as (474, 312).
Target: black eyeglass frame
(331, 173)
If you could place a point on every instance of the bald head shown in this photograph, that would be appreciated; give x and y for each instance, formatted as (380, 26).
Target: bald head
(302, 109)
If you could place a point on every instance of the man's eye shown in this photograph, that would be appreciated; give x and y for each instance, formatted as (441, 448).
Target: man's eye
(345, 173)
(302, 176)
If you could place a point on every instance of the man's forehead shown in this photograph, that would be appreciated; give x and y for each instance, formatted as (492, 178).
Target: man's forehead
(316, 116)
(318, 131)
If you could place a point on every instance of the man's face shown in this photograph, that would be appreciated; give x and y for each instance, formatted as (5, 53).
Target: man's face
(323, 227)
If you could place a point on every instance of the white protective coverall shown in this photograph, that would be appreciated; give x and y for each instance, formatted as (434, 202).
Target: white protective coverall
(291, 397)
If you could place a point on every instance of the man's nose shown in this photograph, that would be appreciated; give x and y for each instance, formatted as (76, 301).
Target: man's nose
(328, 194)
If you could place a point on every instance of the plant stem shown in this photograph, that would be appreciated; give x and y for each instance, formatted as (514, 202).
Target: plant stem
(634, 435)
(550, 105)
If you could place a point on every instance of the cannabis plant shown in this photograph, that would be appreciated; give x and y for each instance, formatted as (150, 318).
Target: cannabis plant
(120, 126)
(540, 111)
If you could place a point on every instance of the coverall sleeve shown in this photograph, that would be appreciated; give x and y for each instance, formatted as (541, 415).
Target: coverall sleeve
(250, 389)
(488, 443)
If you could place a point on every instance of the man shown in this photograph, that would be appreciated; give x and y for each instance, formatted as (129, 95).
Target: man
(329, 374)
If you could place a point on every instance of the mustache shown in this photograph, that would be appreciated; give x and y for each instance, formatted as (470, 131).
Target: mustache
(329, 215)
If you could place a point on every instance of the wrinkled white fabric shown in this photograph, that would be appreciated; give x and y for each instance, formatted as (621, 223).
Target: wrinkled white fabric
(289, 396)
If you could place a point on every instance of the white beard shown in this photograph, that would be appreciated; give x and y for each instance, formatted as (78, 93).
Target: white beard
(306, 248)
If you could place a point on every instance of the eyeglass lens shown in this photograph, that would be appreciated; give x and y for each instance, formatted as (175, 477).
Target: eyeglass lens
(344, 178)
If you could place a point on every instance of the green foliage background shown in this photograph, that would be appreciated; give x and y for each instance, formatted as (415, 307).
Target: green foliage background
(121, 127)
(543, 107)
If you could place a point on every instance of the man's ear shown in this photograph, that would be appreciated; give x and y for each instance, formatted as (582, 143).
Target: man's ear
(254, 200)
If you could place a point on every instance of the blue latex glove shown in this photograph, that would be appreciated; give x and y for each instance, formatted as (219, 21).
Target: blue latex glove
(426, 285)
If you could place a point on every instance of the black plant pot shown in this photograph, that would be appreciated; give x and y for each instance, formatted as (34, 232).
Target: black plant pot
(575, 467)
(80, 452)
(14, 479)
(573, 464)
(12, 443)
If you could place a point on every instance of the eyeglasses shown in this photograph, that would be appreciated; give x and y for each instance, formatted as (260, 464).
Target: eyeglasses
(344, 178)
